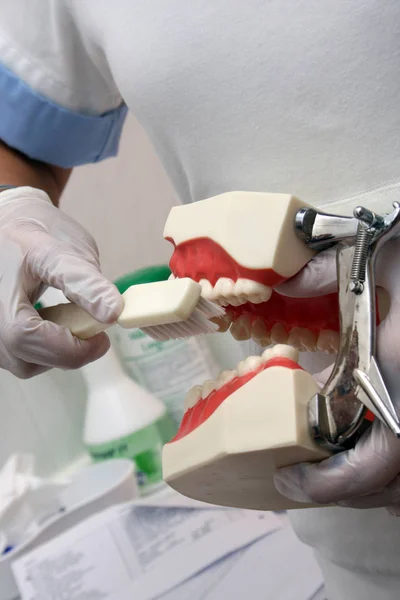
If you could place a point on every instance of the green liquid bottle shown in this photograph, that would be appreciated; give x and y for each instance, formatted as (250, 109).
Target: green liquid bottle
(123, 420)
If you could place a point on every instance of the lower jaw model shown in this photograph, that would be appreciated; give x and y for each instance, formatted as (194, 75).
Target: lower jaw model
(237, 430)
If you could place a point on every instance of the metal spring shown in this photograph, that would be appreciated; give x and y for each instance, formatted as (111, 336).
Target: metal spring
(357, 275)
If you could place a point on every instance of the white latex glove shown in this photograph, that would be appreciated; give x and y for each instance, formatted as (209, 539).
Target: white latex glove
(367, 476)
(41, 246)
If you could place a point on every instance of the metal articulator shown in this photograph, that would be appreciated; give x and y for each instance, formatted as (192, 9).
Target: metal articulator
(337, 413)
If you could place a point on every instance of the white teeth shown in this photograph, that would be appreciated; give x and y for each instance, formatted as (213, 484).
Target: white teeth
(285, 351)
(208, 387)
(252, 363)
(249, 364)
(281, 351)
(224, 289)
(303, 339)
(207, 290)
(241, 328)
(192, 397)
(235, 293)
(267, 355)
(225, 377)
(253, 291)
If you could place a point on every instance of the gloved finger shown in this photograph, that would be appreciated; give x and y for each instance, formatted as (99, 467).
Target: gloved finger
(388, 496)
(79, 278)
(20, 368)
(317, 278)
(368, 468)
(388, 344)
(32, 340)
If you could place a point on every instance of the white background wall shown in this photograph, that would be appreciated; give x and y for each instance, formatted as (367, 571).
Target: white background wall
(124, 203)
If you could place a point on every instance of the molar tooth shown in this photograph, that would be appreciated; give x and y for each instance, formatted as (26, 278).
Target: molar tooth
(267, 355)
(255, 299)
(263, 342)
(224, 286)
(251, 363)
(228, 290)
(223, 322)
(207, 290)
(328, 341)
(241, 328)
(221, 301)
(259, 332)
(279, 334)
(236, 300)
(224, 377)
(303, 339)
(192, 397)
(252, 290)
(309, 339)
(208, 387)
(285, 351)
(224, 291)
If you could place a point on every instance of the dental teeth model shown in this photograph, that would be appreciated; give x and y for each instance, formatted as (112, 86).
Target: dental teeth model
(238, 429)
(238, 246)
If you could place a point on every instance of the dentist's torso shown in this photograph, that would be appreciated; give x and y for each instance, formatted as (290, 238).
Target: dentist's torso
(283, 96)
(298, 96)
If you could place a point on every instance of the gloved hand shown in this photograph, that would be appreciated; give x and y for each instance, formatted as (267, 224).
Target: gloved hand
(368, 475)
(39, 247)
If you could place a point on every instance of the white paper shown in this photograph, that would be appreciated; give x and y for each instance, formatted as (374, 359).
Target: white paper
(167, 496)
(278, 566)
(139, 550)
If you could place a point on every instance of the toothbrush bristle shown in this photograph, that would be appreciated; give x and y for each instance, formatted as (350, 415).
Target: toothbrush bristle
(198, 323)
(210, 309)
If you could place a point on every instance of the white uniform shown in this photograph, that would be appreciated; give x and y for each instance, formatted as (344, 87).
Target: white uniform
(265, 95)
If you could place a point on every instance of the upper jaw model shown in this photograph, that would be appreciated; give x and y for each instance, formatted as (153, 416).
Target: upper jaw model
(238, 429)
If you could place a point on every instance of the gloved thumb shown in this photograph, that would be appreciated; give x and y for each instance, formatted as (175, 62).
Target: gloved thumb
(317, 278)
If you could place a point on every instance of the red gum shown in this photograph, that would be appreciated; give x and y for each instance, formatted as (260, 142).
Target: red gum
(199, 413)
(317, 313)
(202, 258)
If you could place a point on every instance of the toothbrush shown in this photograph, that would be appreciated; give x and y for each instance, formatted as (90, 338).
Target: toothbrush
(164, 310)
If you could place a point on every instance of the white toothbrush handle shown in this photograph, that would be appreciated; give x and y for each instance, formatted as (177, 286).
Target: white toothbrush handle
(77, 320)
(146, 305)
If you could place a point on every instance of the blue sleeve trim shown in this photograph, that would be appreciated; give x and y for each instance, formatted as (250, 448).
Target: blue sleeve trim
(45, 131)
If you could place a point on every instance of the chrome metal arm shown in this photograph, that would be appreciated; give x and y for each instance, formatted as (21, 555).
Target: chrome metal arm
(337, 413)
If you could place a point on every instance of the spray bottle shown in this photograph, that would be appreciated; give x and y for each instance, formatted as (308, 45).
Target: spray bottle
(167, 369)
(122, 419)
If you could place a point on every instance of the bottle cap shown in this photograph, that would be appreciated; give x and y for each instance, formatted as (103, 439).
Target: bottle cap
(146, 275)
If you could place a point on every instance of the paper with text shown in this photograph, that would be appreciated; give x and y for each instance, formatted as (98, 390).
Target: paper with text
(147, 550)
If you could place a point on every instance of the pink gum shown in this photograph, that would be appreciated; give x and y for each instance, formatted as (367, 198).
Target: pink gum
(317, 314)
(204, 408)
(202, 258)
